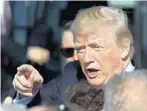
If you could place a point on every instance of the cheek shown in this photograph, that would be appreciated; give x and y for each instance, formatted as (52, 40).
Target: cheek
(69, 59)
(109, 60)
(81, 59)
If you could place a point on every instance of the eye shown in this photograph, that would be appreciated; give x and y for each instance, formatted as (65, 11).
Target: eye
(96, 47)
(80, 49)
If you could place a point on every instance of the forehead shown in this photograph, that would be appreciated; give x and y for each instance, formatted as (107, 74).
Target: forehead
(94, 32)
(67, 35)
(67, 39)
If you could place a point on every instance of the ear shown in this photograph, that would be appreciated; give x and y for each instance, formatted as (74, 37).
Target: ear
(125, 51)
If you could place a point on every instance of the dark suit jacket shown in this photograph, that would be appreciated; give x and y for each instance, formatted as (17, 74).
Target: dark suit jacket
(56, 90)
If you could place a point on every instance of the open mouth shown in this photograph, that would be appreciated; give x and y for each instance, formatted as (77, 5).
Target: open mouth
(92, 73)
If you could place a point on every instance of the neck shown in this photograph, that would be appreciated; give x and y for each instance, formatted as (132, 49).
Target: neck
(125, 64)
(122, 66)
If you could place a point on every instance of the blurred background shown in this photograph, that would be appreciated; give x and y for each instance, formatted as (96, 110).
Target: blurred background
(35, 35)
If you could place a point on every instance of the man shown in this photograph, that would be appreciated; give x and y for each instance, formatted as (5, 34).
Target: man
(127, 92)
(67, 45)
(103, 43)
(86, 96)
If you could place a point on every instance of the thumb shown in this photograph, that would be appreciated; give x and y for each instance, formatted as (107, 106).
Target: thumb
(8, 100)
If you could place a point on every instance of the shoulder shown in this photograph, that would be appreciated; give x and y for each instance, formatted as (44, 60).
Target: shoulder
(50, 90)
(51, 84)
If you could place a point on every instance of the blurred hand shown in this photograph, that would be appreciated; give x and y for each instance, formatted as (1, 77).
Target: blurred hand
(38, 54)
(8, 100)
(27, 80)
(42, 108)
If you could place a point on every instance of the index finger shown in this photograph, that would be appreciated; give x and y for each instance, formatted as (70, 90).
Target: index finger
(25, 68)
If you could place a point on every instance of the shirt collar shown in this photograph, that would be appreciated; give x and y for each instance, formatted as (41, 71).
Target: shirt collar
(129, 67)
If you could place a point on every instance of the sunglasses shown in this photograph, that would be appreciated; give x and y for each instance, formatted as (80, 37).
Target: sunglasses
(67, 52)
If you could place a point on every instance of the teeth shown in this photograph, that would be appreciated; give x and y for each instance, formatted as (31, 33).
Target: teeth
(92, 70)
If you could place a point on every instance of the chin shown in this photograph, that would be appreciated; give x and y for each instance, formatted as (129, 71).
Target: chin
(96, 83)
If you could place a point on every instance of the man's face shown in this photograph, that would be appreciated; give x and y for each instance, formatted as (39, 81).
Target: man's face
(98, 53)
(67, 47)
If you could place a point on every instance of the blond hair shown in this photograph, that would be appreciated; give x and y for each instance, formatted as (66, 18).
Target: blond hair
(107, 15)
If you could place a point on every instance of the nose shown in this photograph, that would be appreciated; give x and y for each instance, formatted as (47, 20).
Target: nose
(88, 57)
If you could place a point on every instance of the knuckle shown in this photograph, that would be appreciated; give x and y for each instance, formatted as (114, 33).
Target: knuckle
(15, 76)
(15, 87)
(19, 79)
(19, 88)
(23, 83)
(19, 74)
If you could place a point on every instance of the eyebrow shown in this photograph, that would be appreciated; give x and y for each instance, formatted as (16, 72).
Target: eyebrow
(94, 43)
(79, 46)
(90, 43)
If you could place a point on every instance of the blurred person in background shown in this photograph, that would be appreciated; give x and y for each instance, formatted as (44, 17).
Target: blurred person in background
(56, 90)
(5, 17)
(86, 96)
(67, 45)
(62, 107)
(51, 107)
(40, 50)
(127, 92)
(101, 55)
